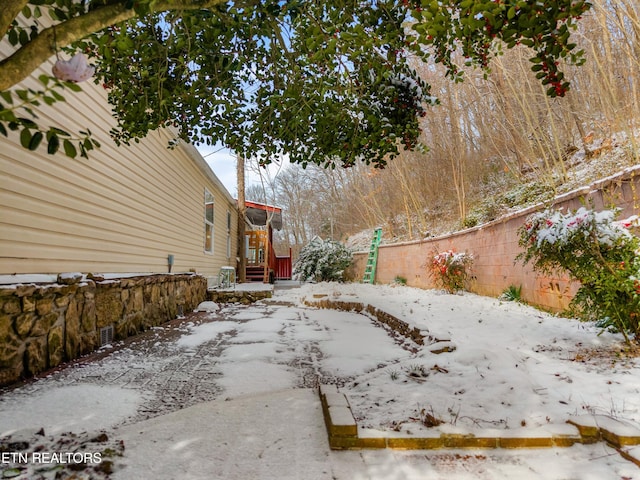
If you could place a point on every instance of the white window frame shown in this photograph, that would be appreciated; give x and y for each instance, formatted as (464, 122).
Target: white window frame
(228, 234)
(209, 217)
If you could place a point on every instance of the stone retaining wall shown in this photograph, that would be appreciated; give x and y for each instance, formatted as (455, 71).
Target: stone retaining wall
(244, 297)
(495, 247)
(44, 325)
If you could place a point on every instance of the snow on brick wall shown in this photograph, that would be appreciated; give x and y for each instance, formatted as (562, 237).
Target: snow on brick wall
(495, 247)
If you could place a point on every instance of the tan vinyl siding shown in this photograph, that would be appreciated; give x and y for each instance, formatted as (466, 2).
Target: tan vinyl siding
(122, 210)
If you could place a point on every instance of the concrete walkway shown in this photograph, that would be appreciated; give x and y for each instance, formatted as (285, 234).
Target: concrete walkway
(276, 435)
(270, 436)
(281, 436)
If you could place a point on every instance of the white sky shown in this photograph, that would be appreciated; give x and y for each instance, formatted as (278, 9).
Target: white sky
(223, 163)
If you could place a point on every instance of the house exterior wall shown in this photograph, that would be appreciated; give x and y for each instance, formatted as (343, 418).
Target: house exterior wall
(125, 209)
(495, 248)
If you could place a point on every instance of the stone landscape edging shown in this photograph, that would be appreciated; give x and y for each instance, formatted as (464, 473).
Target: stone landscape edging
(244, 297)
(344, 434)
(416, 335)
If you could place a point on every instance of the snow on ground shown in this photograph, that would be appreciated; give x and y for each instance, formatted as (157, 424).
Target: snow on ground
(513, 367)
(69, 408)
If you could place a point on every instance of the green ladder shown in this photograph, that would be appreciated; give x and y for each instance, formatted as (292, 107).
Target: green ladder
(370, 269)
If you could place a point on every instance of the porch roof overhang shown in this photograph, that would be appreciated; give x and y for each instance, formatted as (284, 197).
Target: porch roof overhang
(259, 213)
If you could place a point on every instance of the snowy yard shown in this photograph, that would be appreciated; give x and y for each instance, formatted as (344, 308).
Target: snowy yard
(513, 367)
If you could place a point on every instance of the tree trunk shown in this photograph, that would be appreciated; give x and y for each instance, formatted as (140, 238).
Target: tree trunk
(509, 117)
(576, 119)
(242, 207)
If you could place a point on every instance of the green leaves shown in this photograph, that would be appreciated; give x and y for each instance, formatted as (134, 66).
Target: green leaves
(475, 26)
(31, 134)
(30, 140)
(69, 149)
(53, 143)
(322, 82)
(25, 137)
(593, 249)
(32, 137)
(325, 82)
(36, 139)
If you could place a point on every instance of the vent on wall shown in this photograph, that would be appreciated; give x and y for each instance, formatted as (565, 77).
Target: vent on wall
(106, 335)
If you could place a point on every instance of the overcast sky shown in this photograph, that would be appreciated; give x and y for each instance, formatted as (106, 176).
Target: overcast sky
(223, 163)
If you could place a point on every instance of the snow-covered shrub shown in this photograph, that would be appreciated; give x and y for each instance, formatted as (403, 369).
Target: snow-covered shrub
(451, 270)
(322, 260)
(595, 250)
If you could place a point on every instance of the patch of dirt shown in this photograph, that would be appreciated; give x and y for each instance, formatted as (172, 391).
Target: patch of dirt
(620, 355)
(151, 364)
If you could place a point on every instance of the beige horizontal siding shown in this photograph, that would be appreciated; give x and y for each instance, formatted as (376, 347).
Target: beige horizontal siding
(122, 210)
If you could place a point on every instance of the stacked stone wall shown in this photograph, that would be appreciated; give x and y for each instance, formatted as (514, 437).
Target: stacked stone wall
(245, 297)
(44, 325)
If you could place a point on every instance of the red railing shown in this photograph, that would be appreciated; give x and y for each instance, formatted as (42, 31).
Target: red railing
(283, 267)
(279, 266)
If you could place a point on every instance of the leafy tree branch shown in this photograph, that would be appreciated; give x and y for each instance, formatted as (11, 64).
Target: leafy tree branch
(322, 81)
(9, 12)
(30, 56)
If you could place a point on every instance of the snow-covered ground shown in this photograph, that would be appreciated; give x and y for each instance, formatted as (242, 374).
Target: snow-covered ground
(513, 367)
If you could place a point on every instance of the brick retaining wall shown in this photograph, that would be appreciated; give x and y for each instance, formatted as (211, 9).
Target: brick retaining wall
(495, 247)
(44, 325)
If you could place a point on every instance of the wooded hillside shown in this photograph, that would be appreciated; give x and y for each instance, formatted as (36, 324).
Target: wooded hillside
(494, 144)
